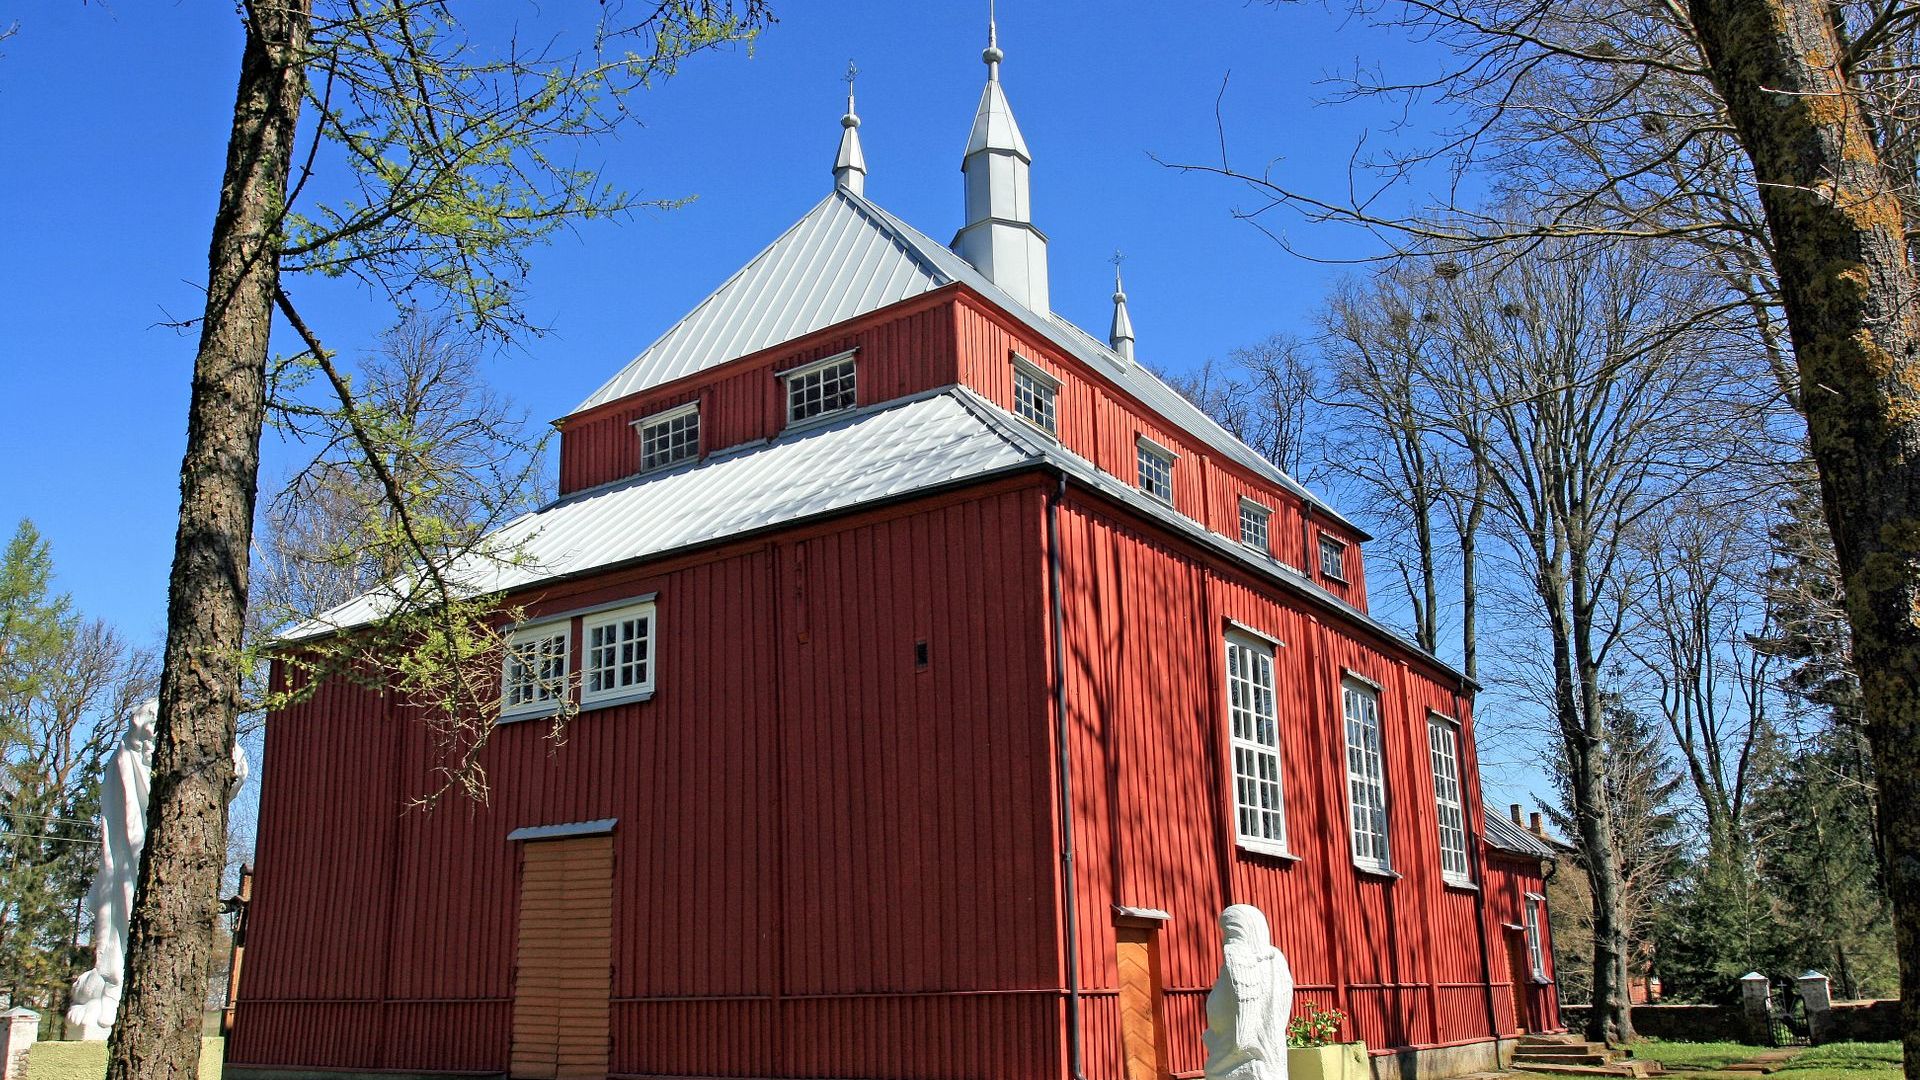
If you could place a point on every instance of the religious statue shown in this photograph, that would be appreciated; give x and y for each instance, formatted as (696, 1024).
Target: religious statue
(123, 832)
(1250, 1004)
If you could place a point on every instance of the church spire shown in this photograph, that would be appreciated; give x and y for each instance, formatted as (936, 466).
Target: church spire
(999, 238)
(1120, 337)
(850, 167)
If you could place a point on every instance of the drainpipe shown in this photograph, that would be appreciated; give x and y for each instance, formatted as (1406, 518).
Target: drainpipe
(1477, 842)
(1068, 902)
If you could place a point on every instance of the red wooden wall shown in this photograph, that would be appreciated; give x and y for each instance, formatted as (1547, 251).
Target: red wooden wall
(1509, 878)
(1145, 652)
(828, 862)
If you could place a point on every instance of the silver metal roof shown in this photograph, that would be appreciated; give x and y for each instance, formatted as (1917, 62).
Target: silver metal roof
(847, 257)
(947, 436)
(1507, 836)
(864, 457)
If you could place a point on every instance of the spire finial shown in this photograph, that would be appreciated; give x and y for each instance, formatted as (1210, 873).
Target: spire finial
(1120, 337)
(850, 167)
(992, 54)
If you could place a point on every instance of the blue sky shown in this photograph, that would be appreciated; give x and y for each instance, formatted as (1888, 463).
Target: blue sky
(113, 122)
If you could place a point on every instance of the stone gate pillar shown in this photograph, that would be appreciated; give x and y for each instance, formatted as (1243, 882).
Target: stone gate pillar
(1816, 993)
(1756, 1008)
(19, 1028)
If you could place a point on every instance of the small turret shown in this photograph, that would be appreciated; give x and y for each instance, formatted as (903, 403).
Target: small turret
(999, 238)
(850, 166)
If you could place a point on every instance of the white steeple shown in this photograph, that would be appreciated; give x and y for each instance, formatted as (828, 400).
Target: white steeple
(999, 238)
(1120, 337)
(850, 167)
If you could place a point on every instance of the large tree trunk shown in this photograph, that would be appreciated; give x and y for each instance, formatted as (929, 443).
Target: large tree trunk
(170, 940)
(1839, 247)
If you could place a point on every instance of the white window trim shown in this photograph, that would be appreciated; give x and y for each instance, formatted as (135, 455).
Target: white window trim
(1536, 948)
(1141, 442)
(809, 368)
(691, 408)
(1257, 634)
(608, 616)
(1260, 644)
(1319, 556)
(540, 628)
(1368, 865)
(1024, 366)
(1264, 509)
(1461, 879)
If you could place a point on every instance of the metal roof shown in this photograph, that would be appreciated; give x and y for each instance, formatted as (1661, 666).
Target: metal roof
(1507, 836)
(899, 448)
(847, 257)
(863, 457)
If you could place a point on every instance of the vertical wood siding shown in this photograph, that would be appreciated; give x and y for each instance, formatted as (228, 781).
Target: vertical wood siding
(1145, 657)
(828, 862)
(904, 349)
(1100, 423)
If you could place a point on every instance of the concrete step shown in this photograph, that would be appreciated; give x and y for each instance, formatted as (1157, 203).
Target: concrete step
(1530, 1058)
(1563, 1069)
(1551, 1048)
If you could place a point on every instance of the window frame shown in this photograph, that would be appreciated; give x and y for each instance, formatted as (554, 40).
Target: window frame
(550, 701)
(667, 416)
(1143, 449)
(1354, 686)
(1045, 382)
(1530, 921)
(1338, 547)
(1447, 727)
(613, 616)
(1265, 515)
(1259, 647)
(816, 367)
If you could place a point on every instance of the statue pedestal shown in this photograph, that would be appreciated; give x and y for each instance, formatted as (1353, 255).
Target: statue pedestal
(1336, 1061)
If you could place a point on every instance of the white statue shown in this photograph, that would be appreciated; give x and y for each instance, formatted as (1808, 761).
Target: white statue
(123, 832)
(1250, 1004)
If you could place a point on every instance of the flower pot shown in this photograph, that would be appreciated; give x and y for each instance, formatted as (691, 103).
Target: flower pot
(1338, 1061)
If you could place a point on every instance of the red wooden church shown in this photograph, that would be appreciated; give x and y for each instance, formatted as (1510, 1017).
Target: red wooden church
(941, 675)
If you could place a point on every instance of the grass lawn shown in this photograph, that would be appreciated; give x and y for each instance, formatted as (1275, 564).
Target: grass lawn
(88, 1060)
(1706, 1060)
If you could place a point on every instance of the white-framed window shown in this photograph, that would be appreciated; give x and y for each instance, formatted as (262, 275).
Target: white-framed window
(1034, 395)
(1530, 913)
(1156, 469)
(669, 437)
(619, 655)
(1253, 524)
(1366, 776)
(1443, 746)
(1333, 558)
(533, 673)
(1253, 726)
(822, 387)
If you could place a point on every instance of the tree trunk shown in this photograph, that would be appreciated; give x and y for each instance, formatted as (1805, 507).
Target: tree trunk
(1847, 286)
(170, 939)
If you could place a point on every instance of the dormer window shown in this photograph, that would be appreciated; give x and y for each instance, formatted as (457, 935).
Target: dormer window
(669, 437)
(1333, 559)
(1156, 470)
(1034, 394)
(822, 387)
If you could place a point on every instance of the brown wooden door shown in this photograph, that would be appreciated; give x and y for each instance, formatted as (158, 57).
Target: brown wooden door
(1141, 1037)
(563, 974)
(1520, 971)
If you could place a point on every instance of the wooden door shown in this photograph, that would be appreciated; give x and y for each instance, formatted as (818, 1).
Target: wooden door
(1520, 971)
(1142, 1040)
(563, 973)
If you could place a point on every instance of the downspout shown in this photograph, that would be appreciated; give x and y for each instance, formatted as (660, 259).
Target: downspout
(1068, 901)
